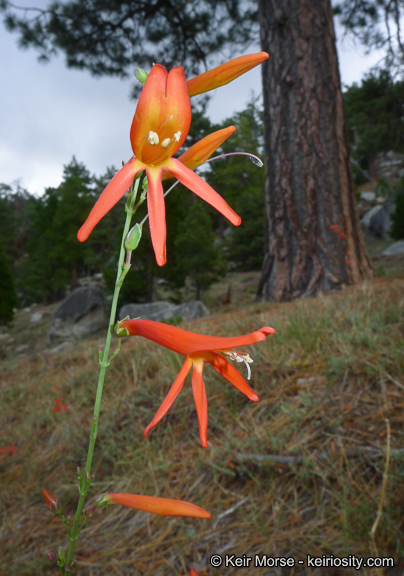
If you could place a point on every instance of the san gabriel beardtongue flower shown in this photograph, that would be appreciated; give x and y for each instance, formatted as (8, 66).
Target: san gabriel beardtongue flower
(159, 128)
(198, 350)
(154, 505)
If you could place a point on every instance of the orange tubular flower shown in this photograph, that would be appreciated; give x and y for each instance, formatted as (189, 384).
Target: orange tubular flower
(198, 349)
(154, 505)
(159, 128)
(224, 73)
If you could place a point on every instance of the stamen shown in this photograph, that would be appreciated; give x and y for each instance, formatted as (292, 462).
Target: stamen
(166, 143)
(177, 136)
(254, 159)
(153, 138)
(238, 357)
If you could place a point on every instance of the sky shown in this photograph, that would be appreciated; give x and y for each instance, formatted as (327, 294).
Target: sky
(49, 113)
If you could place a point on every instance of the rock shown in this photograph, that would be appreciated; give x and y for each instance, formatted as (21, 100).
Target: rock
(165, 311)
(396, 248)
(389, 165)
(378, 219)
(191, 310)
(368, 196)
(36, 317)
(151, 310)
(366, 219)
(80, 314)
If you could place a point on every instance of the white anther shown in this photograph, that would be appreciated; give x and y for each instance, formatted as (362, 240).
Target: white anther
(238, 357)
(177, 136)
(153, 138)
(166, 143)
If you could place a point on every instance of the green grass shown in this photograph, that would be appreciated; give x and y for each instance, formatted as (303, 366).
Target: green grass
(327, 381)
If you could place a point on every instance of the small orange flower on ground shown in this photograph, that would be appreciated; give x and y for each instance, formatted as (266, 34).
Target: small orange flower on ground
(59, 407)
(50, 500)
(198, 349)
(10, 449)
(155, 505)
(159, 128)
(193, 572)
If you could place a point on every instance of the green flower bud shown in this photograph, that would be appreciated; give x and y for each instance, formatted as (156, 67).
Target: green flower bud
(141, 75)
(133, 238)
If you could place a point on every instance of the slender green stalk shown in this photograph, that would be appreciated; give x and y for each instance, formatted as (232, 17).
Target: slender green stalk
(85, 476)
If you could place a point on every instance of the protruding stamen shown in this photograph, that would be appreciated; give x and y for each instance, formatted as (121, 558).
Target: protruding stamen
(166, 143)
(153, 138)
(238, 357)
(254, 159)
(248, 371)
(177, 136)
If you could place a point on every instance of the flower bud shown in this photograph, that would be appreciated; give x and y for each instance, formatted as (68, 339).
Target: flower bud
(133, 238)
(50, 500)
(141, 75)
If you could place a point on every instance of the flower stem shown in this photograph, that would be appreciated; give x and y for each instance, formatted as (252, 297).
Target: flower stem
(85, 476)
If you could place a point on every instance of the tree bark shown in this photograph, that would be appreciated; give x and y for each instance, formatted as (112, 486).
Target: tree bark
(314, 241)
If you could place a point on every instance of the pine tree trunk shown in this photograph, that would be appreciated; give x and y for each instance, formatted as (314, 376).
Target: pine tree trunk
(314, 241)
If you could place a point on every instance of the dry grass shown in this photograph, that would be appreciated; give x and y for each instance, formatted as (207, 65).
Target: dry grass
(299, 472)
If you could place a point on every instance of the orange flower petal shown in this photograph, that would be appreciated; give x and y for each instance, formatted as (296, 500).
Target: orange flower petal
(201, 188)
(202, 150)
(163, 108)
(114, 191)
(201, 402)
(154, 505)
(171, 396)
(226, 369)
(157, 214)
(187, 343)
(224, 73)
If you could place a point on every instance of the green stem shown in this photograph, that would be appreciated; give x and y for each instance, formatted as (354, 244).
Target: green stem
(85, 477)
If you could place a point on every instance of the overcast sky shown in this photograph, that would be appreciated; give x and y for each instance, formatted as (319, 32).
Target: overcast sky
(49, 113)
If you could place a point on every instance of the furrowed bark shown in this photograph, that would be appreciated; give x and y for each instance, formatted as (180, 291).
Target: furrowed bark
(309, 183)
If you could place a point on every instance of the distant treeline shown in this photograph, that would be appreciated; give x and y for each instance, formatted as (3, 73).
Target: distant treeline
(40, 256)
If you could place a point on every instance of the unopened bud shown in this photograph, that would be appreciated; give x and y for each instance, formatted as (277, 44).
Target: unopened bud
(50, 500)
(133, 238)
(141, 75)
